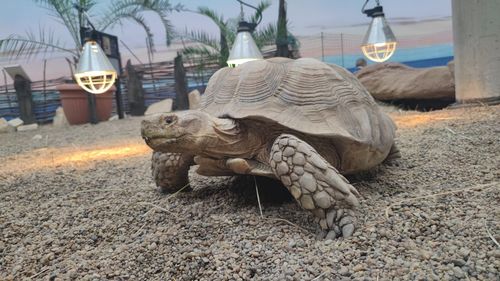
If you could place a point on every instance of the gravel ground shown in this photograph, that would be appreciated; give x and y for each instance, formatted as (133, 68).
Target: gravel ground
(78, 204)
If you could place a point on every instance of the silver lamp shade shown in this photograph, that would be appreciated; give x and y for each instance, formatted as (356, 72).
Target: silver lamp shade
(94, 73)
(244, 49)
(379, 43)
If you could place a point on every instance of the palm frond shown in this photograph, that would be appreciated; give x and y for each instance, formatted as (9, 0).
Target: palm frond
(203, 38)
(263, 5)
(132, 8)
(216, 18)
(64, 11)
(265, 36)
(16, 46)
(149, 34)
(199, 51)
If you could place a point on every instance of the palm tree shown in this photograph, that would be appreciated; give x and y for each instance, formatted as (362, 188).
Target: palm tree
(65, 12)
(219, 49)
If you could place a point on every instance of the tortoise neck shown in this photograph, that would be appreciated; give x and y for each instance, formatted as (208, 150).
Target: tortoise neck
(230, 138)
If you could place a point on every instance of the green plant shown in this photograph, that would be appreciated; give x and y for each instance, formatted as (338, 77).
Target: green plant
(64, 11)
(212, 47)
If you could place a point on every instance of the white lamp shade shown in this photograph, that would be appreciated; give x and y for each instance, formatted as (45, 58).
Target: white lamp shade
(379, 43)
(244, 49)
(94, 72)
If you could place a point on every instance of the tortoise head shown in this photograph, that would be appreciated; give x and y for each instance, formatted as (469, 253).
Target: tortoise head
(176, 132)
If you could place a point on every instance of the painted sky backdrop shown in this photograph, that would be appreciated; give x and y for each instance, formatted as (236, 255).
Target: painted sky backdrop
(305, 16)
(411, 21)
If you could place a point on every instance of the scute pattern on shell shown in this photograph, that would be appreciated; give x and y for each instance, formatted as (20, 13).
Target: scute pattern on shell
(304, 95)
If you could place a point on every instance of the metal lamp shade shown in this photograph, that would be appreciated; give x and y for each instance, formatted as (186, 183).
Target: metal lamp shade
(94, 73)
(244, 49)
(379, 43)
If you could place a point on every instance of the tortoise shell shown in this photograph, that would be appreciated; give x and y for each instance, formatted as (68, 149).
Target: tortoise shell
(304, 95)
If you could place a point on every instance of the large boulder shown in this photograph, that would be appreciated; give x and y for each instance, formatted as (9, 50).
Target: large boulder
(163, 106)
(396, 81)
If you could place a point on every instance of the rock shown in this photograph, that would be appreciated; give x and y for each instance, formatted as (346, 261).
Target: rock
(344, 271)
(60, 119)
(5, 127)
(458, 272)
(358, 267)
(423, 254)
(37, 137)
(194, 99)
(163, 106)
(29, 127)
(458, 262)
(396, 81)
(348, 230)
(15, 122)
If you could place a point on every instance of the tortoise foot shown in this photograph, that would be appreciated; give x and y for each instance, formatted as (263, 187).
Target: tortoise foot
(336, 223)
(170, 170)
(315, 184)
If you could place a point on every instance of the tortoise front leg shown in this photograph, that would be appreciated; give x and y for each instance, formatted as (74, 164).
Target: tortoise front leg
(315, 184)
(170, 170)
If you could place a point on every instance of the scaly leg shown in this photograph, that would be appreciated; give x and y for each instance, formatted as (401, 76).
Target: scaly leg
(170, 170)
(315, 184)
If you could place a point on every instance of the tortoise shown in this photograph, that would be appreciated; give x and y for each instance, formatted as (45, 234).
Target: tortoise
(303, 122)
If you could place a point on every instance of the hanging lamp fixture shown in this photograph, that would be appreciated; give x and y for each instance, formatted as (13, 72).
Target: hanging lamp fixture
(379, 43)
(244, 48)
(94, 72)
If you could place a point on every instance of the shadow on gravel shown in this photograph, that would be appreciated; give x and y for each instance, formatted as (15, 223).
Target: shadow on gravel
(270, 191)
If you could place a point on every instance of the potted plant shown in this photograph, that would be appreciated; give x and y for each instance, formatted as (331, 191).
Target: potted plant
(74, 101)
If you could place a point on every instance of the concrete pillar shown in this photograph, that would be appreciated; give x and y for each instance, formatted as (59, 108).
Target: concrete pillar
(476, 38)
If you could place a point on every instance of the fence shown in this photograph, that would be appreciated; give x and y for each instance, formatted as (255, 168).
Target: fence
(158, 77)
(344, 49)
(45, 98)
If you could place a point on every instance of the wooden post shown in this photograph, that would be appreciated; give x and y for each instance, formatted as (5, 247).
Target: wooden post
(181, 97)
(24, 99)
(282, 33)
(135, 92)
(342, 47)
(322, 48)
(224, 49)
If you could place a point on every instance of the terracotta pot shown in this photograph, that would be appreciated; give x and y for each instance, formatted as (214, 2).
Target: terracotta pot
(75, 104)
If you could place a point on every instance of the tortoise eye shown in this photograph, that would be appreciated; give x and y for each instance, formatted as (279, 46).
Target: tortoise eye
(169, 120)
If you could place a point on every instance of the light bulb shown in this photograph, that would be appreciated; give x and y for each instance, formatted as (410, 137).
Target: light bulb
(94, 72)
(379, 43)
(379, 52)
